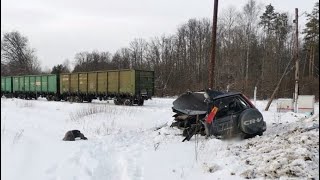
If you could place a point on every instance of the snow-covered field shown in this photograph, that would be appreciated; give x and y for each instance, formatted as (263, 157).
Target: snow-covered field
(138, 143)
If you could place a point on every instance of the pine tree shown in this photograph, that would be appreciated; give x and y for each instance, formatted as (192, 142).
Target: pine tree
(312, 39)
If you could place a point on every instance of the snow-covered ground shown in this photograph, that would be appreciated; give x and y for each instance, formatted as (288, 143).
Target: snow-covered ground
(138, 143)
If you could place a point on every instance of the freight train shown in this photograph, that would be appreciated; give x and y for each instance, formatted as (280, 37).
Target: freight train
(125, 87)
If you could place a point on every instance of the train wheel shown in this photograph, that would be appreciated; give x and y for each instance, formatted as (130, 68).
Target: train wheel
(71, 99)
(78, 99)
(118, 101)
(56, 98)
(140, 103)
(127, 102)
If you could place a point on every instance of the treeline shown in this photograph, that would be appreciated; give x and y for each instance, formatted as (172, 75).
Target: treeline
(254, 47)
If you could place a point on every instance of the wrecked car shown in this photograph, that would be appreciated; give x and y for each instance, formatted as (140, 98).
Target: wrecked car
(217, 113)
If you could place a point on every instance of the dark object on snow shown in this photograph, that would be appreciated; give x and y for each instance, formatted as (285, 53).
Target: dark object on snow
(220, 114)
(72, 135)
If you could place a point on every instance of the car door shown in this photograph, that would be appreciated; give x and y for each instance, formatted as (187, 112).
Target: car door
(226, 120)
(222, 124)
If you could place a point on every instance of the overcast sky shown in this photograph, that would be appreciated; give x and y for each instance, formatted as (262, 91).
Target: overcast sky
(58, 29)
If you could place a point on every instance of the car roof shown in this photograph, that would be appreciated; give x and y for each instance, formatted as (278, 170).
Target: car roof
(226, 95)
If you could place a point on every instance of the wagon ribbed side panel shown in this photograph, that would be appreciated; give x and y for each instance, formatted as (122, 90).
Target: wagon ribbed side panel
(102, 82)
(144, 82)
(52, 83)
(26, 83)
(6, 84)
(113, 82)
(92, 82)
(83, 82)
(38, 84)
(126, 82)
(65, 83)
(74, 83)
(44, 83)
(3, 84)
(21, 84)
(15, 83)
(32, 83)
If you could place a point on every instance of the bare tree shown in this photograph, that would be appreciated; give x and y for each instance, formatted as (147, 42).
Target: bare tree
(16, 54)
(253, 49)
(94, 61)
(4, 69)
(138, 50)
(250, 13)
(121, 59)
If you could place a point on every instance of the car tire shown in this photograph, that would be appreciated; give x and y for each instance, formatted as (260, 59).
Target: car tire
(251, 122)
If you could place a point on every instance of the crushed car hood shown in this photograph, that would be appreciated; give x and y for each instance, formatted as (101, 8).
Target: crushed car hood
(193, 103)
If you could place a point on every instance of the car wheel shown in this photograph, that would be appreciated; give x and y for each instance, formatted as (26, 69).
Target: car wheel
(251, 122)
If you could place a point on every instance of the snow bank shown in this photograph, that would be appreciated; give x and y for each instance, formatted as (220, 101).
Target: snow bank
(138, 143)
(290, 153)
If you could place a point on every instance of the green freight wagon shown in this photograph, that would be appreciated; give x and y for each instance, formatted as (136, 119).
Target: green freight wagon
(6, 85)
(34, 86)
(126, 86)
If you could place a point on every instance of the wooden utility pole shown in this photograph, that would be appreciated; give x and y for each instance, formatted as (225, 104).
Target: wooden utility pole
(278, 85)
(213, 52)
(296, 87)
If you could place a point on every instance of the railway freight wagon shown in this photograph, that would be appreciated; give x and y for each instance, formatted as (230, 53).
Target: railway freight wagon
(6, 86)
(34, 86)
(126, 87)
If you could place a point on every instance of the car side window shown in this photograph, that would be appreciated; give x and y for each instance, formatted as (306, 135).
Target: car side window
(243, 104)
(230, 105)
(223, 107)
(237, 105)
